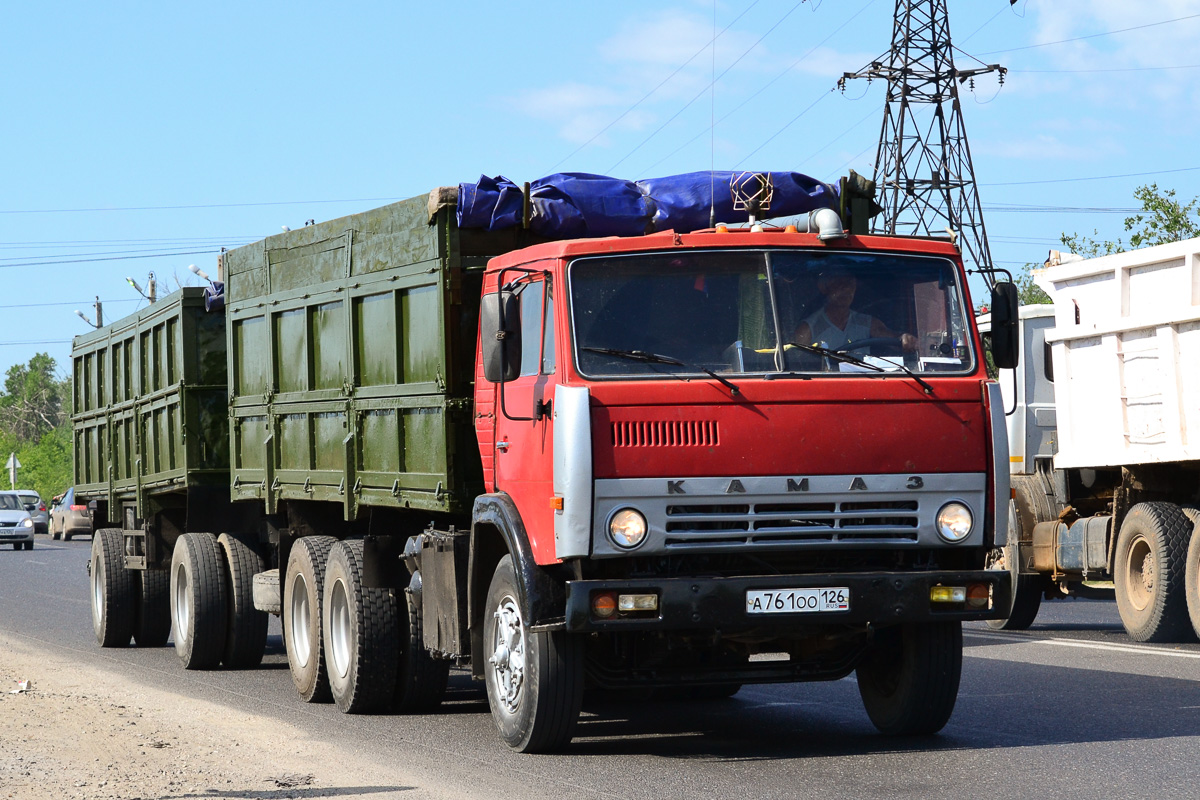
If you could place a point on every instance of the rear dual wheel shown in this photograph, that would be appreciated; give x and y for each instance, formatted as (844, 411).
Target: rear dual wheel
(1192, 580)
(302, 591)
(111, 590)
(1149, 573)
(374, 653)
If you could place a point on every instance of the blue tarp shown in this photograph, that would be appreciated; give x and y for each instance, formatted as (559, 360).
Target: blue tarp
(214, 296)
(575, 205)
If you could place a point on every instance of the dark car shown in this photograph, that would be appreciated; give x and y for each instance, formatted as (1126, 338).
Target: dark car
(37, 509)
(68, 518)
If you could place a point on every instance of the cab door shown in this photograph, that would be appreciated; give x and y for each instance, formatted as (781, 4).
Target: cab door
(524, 458)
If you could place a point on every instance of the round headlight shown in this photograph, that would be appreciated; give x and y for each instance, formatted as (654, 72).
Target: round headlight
(27, 522)
(627, 528)
(954, 522)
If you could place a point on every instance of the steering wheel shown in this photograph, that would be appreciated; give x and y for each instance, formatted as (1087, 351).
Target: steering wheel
(873, 341)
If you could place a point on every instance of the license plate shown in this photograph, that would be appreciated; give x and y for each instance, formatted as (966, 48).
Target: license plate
(797, 601)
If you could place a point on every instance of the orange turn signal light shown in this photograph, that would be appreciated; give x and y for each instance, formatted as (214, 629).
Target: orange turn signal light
(556, 503)
(978, 595)
(604, 604)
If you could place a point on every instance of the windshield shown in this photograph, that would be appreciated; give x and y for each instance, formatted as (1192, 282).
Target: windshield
(764, 311)
(9, 502)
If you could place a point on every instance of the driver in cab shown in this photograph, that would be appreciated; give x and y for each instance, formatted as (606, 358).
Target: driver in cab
(836, 325)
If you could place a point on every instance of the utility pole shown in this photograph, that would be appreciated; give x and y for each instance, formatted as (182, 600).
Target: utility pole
(923, 169)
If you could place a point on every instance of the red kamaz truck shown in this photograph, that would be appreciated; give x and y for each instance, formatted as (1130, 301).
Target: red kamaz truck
(683, 461)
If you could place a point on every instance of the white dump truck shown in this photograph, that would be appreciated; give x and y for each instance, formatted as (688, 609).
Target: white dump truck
(1104, 436)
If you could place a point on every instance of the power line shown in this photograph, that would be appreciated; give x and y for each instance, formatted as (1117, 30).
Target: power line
(39, 341)
(762, 89)
(111, 258)
(645, 97)
(1095, 177)
(71, 303)
(688, 104)
(198, 205)
(174, 242)
(1091, 36)
(1114, 69)
(66, 255)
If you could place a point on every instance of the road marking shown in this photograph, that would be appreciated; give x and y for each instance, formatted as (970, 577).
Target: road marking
(1120, 648)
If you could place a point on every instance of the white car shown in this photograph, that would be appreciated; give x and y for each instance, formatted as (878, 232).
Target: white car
(16, 526)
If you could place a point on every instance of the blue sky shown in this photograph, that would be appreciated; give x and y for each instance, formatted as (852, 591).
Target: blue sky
(142, 137)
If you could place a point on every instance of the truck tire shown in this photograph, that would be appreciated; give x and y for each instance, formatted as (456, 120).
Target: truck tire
(198, 600)
(302, 591)
(112, 590)
(420, 678)
(1148, 573)
(908, 681)
(534, 680)
(1027, 589)
(246, 626)
(152, 590)
(1192, 579)
(362, 648)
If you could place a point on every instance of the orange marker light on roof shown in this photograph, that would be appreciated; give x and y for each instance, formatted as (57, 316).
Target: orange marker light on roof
(722, 229)
(790, 229)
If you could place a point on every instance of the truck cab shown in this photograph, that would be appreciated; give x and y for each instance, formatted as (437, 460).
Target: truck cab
(737, 456)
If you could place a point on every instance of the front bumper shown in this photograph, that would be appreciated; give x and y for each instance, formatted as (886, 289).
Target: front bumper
(18, 534)
(878, 598)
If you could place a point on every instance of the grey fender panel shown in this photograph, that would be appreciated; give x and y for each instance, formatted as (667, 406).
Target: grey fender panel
(572, 471)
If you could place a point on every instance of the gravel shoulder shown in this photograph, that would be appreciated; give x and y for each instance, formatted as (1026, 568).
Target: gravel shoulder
(81, 732)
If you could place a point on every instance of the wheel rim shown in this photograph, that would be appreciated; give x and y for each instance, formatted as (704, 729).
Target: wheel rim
(298, 619)
(97, 592)
(1140, 573)
(339, 629)
(508, 655)
(183, 603)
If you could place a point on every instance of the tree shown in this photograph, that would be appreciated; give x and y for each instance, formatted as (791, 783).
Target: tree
(31, 404)
(1163, 220)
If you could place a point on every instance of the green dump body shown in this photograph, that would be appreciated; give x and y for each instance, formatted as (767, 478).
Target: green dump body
(150, 404)
(351, 351)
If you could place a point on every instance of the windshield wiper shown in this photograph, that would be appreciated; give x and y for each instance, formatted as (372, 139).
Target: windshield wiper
(655, 358)
(841, 355)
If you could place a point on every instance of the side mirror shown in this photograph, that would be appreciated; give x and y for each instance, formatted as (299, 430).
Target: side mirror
(500, 336)
(1006, 348)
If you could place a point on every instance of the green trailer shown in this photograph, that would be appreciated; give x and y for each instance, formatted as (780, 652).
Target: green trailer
(151, 421)
(351, 362)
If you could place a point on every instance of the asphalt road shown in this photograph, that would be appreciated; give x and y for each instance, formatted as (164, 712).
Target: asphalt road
(1071, 708)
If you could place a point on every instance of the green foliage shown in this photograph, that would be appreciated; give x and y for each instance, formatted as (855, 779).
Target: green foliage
(1163, 220)
(46, 465)
(31, 404)
(1029, 293)
(33, 425)
(1168, 220)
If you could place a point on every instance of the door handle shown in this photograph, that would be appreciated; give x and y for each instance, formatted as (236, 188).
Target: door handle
(503, 446)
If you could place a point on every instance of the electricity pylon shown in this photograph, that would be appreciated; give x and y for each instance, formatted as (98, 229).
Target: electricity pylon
(923, 171)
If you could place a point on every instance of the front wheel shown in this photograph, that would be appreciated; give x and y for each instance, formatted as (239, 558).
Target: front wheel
(534, 680)
(1148, 573)
(1027, 589)
(908, 681)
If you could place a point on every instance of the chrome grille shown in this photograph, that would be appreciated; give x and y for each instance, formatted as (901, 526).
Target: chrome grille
(665, 433)
(711, 524)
